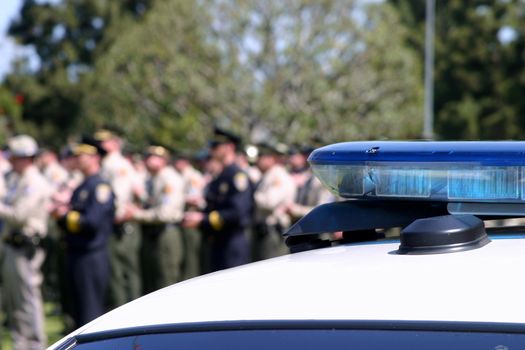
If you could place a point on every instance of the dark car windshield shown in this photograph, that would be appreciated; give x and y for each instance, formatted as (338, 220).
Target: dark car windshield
(311, 339)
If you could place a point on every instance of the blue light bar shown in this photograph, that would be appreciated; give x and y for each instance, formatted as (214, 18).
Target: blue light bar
(443, 171)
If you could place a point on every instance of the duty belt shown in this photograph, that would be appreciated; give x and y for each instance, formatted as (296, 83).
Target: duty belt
(154, 230)
(19, 240)
(123, 229)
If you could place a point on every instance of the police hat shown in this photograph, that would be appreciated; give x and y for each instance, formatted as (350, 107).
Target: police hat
(107, 133)
(294, 149)
(66, 151)
(306, 150)
(202, 155)
(184, 154)
(22, 146)
(157, 150)
(267, 149)
(221, 136)
(89, 146)
(298, 149)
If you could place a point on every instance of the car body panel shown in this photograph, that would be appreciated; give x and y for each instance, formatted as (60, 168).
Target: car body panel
(353, 282)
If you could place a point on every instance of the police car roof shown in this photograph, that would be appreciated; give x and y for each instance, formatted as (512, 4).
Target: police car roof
(347, 282)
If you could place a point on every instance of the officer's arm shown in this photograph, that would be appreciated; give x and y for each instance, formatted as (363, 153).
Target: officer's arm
(33, 200)
(281, 190)
(3, 189)
(122, 184)
(98, 209)
(171, 207)
(320, 195)
(239, 212)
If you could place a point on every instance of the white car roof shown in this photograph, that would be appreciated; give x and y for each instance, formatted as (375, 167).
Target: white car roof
(349, 282)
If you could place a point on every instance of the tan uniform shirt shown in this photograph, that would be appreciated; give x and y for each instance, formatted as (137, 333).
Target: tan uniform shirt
(275, 189)
(56, 175)
(193, 181)
(120, 174)
(165, 198)
(194, 184)
(3, 188)
(5, 170)
(5, 166)
(253, 173)
(311, 194)
(75, 178)
(26, 203)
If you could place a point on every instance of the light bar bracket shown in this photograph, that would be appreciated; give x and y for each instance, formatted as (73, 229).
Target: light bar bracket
(357, 215)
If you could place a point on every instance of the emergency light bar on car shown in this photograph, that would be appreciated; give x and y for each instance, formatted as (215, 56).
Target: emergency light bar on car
(436, 171)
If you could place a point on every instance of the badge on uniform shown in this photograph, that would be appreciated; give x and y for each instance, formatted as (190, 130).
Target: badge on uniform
(241, 182)
(223, 187)
(83, 195)
(103, 193)
(195, 182)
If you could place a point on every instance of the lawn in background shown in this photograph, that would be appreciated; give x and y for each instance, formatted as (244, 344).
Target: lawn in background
(54, 327)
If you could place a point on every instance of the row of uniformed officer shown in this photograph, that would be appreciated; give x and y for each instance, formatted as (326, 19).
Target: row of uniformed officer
(233, 202)
(147, 248)
(268, 200)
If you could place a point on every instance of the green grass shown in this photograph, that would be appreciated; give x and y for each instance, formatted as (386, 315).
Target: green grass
(54, 327)
(54, 324)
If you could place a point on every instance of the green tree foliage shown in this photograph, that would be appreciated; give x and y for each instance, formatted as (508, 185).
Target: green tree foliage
(295, 70)
(478, 72)
(10, 114)
(291, 70)
(68, 37)
(159, 81)
(331, 70)
(50, 103)
(72, 33)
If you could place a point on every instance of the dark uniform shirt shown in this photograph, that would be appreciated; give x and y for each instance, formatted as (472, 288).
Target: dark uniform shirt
(90, 220)
(229, 211)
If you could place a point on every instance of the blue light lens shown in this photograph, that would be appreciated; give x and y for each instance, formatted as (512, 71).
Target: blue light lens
(398, 181)
(483, 183)
(345, 181)
(450, 171)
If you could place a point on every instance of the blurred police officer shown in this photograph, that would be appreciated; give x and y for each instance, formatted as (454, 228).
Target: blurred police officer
(275, 190)
(88, 223)
(5, 170)
(61, 198)
(25, 212)
(75, 177)
(162, 245)
(52, 170)
(125, 284)
(57, 177)
(194, 200)
(310, 191)
(194, 182)
(229, 206)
